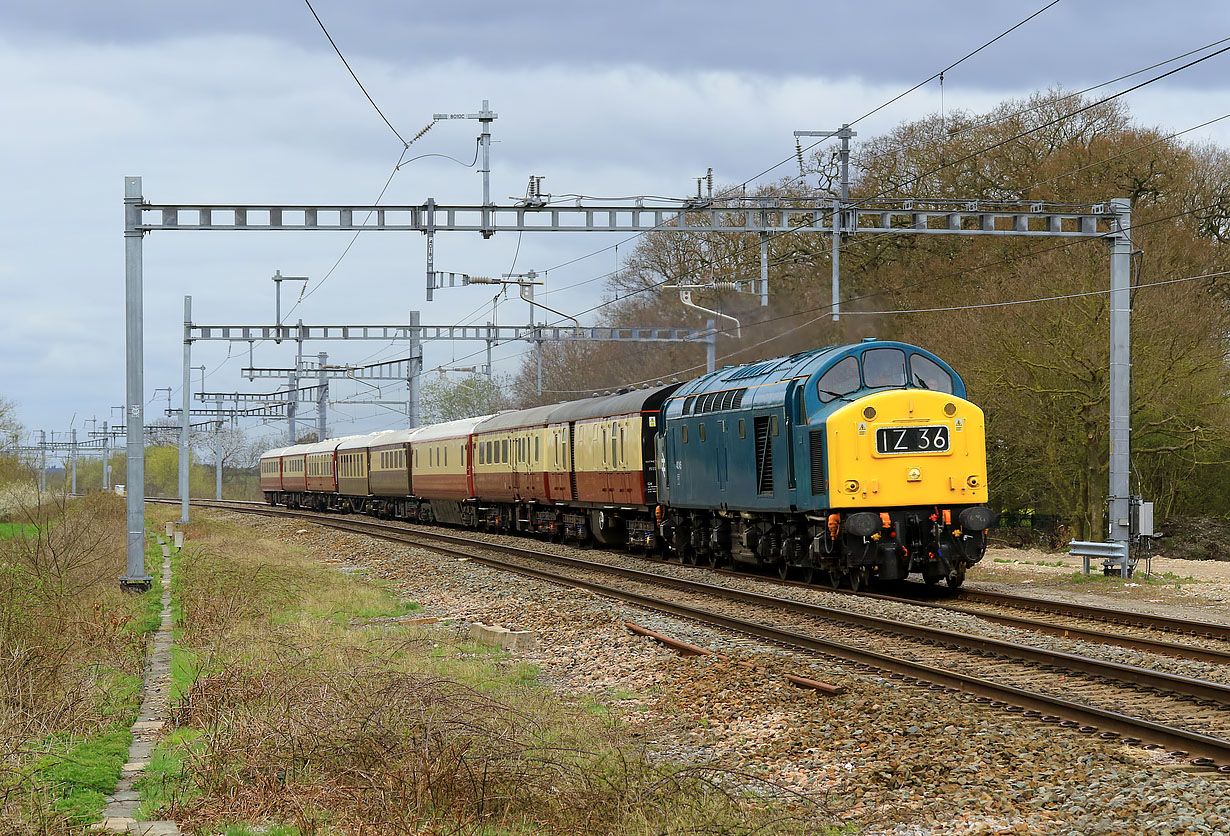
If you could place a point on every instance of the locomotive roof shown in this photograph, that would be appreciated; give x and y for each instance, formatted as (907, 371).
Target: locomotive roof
(802, 364)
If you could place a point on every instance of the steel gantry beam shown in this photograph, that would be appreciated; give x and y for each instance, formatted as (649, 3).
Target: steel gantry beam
(390, 370)
(907, 217)
(390, 333)
(305, 394)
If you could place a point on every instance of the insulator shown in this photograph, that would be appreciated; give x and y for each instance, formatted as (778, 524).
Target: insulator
(798, 151)
(419, 135)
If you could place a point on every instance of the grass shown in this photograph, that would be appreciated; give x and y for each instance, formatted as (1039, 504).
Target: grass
(1029, 562)
(305, 707)
(167, 779)
(1139, 578)
(8, 529)
(73, 691)
(81, 775)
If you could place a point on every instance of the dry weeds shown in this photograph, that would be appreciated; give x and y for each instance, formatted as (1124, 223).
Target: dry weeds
(71, 644)
(336, 725)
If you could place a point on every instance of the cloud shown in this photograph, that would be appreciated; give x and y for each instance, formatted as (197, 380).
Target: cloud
(253, 113)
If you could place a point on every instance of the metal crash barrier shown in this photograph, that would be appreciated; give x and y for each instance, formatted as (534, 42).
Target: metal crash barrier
(1112, 554)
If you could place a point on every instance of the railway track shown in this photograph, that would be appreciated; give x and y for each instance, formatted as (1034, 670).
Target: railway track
(1133, 630)
(1188, 717)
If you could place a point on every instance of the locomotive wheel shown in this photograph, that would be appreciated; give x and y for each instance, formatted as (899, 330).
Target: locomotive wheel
(832, 578)
(783, 568)
(956, 577)
(717, 559)
(859, 578)
(807, 573)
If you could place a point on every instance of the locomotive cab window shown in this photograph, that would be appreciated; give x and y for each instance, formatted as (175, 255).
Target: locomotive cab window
(840, 380)
(925, 373)
(884, 368)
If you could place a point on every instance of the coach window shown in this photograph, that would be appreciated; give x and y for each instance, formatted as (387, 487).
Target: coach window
(504, 452)
(840, 380)
(925, 373)
(883, 367)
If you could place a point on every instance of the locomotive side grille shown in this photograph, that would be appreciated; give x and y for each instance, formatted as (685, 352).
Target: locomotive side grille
(764, 455)
(817, 462)
(739, 398)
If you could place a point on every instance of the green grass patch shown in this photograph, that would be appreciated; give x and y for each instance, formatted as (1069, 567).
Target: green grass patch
(81, 776)
(1138, 578)
(167, 779)
(18, 530)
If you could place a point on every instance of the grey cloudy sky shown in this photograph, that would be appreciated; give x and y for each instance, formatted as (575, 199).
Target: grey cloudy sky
(247, 102)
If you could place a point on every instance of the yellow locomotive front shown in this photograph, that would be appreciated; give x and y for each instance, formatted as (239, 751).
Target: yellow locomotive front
(907, 483)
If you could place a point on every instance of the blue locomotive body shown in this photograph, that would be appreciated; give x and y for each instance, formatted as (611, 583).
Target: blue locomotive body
(853, 460)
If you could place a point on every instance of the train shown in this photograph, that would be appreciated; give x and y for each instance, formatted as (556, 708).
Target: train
(837, 465)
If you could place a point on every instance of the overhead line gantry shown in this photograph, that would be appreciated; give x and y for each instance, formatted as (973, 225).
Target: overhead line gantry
(765, 216)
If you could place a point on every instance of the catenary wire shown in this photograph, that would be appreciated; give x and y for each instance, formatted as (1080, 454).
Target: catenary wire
(352, 74)
(985, 123)
(896, 187)
(788, 159)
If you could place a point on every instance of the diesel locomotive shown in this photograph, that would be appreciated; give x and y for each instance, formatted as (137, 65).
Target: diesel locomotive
(834, 465)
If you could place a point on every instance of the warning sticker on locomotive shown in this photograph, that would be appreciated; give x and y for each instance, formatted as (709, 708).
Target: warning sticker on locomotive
(894, 440)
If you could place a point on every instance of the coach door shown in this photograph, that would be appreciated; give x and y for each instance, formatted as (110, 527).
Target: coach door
(572, 457)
